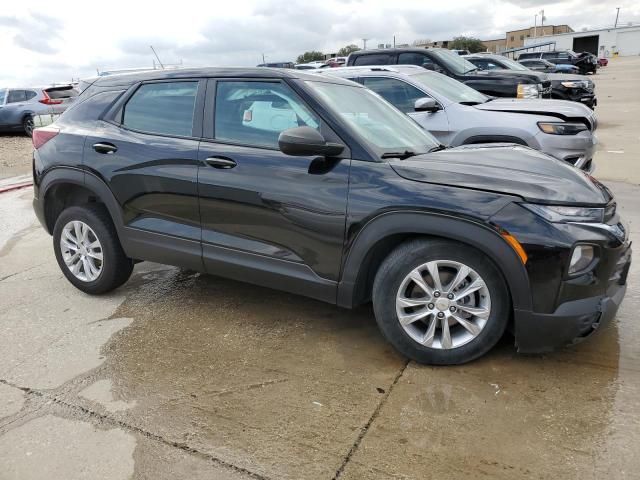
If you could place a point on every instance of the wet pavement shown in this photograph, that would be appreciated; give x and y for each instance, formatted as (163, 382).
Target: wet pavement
(180, 374)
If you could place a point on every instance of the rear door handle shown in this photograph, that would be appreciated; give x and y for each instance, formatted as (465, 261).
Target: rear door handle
(105, 147)
(221, 162)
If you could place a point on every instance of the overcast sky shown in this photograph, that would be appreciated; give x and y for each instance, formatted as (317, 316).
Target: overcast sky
(43, 42)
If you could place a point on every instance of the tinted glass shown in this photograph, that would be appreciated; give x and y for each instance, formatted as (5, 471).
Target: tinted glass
(398, 93)
(255, 113)
(449, 88)
(30, 94)
(165, 108)
(510, 64)
(453, 61)
(3, 93)
(374, 59)
(16, 96)
(383, 127)
(414, 59)
(90, 108)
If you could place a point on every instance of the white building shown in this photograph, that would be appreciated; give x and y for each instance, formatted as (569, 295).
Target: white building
(604, 42)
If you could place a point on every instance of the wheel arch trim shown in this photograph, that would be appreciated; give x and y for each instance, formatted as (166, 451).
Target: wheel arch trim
(476, 235)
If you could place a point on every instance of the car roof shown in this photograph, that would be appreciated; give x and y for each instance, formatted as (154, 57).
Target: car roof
(230, 72)
(386, 70)
(394, 50)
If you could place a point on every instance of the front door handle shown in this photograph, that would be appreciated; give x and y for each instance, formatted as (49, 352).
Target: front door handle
(221, 162)
(105, 147)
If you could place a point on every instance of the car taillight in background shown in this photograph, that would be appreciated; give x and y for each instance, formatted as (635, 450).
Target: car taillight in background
(47, 100)
(43, 135)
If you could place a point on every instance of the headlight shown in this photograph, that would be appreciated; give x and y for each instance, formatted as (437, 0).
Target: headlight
(528, 91)
(575, 84)
(581, 258)
(562, 128)
(562, 214)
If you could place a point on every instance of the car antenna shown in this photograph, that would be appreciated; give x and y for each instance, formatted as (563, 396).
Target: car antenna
(154, 52)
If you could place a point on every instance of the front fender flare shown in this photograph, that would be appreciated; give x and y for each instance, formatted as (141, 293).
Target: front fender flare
(479, 236)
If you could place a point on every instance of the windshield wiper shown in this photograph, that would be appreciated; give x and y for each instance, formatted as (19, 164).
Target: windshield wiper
(400, 155)
(437, 148)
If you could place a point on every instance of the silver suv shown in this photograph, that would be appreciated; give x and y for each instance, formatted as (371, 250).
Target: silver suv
(18, 106)
(457, 114)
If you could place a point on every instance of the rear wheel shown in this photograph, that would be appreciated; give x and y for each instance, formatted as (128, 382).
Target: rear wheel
(88, 250)
(27, 125)
(440, 302)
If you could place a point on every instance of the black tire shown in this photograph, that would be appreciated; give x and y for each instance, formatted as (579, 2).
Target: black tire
(27, 125)
(414, 253)
(116, 267)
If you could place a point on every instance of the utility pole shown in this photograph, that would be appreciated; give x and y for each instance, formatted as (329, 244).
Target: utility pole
(263, 59)
(364, 40)
(154, 52)
(535, 25)
(394, 41)
(617, 14)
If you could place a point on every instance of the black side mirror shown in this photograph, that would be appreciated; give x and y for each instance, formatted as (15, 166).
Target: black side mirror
(426, 105)
(302, 141)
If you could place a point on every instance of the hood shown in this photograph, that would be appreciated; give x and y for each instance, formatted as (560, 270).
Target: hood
(563, 109)
(536, 77)
(506, 168)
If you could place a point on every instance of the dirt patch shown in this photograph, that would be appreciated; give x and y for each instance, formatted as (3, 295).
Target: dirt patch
(15, 155)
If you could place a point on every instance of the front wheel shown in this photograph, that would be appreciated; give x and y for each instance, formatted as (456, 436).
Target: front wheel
(28, 125)
(440, 302)
(88, 251)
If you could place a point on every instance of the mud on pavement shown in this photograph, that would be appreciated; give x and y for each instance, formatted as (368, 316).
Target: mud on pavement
(180, 374)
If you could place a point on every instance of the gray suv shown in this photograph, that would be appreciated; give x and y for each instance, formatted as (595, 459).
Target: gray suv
(18, 106)
(457, 114)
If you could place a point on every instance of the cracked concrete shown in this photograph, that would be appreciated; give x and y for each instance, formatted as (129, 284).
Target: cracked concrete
(182, 375)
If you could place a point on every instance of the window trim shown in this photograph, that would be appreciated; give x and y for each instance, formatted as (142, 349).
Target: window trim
(209, 130)
(115, 114)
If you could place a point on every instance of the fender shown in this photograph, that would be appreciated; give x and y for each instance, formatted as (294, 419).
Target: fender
(76, 176)
(474, 234)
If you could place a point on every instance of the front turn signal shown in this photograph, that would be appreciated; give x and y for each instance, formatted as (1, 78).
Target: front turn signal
(515, 244)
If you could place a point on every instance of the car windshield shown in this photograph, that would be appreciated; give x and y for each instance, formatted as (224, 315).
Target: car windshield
(3, 92)
(453, 61)
(449, 88)
(512, 64)
(387, 129)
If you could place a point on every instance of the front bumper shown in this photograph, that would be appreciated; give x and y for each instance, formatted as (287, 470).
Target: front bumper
(573, 321)
(577, 150)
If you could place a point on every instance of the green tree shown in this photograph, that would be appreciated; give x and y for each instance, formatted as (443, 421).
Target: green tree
(345, 51)
(472, 44)
(311, 56)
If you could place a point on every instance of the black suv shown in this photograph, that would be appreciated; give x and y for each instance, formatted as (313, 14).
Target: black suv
(497, 84)
(585, 61)
(317, 186)
(564, 86)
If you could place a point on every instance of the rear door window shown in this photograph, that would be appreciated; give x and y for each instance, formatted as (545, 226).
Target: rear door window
(255, 113)
(400, 94)
(16, 96)
(373, 59)
(165, 108)
(29, 94)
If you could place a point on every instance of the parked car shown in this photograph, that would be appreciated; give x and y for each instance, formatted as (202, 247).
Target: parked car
(278, 65)
(526, 84)
(340, 61)
(346, 200)
(458, 115)
(461, 52)
(577, 88)
(603, 62)
(307, 66)
(18, 106)
(540, 65)
(585, 61)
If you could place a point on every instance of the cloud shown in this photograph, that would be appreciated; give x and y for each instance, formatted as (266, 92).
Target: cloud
(36, 32)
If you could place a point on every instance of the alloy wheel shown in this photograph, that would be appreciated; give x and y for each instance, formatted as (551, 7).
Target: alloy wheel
(443, 304)
(81, 251)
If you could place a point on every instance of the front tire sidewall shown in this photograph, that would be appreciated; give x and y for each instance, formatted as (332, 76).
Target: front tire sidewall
(409, 256)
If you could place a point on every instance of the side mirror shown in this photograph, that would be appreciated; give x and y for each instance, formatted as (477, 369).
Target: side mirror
(302, 141)
(426, 105)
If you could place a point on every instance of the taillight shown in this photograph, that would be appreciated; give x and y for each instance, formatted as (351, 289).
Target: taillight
(47, 100)
(43, 135)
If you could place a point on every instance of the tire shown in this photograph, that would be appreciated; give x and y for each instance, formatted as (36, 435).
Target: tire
(464, 343)
(27, 125)
(114, 266)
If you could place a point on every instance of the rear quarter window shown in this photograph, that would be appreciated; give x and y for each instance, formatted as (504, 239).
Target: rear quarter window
(373, 59)
(90, 108)
(165, 108)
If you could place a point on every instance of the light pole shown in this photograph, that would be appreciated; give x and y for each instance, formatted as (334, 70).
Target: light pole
(364, 41)
(617, 14)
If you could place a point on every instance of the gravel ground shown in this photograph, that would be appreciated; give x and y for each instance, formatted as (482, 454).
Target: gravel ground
(15, 155)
